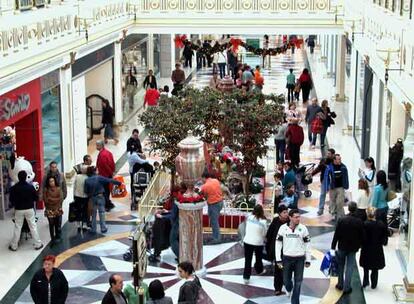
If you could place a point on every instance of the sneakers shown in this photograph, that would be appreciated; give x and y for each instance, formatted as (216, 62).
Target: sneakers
(320, 212)
(12, 249)
(104, 230)
(39, 247)
(246, 281)
(279, 293)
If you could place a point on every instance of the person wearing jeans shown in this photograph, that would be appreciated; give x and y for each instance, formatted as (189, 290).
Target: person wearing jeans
(294, 239)
(212, 190)
(222, 62)
(254, 239)
(379, 200)
(95, 188)
(321, 168)
(280, 143)
(349, 235)
(311, 112)
(23, 197)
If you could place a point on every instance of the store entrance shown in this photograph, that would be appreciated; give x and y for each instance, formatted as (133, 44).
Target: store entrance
(94, 115)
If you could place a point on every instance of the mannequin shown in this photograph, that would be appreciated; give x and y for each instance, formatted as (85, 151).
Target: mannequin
(394, 165)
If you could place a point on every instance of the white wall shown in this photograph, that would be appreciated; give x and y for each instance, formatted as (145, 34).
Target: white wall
(79, 119)
(397, 121)
(99, 81)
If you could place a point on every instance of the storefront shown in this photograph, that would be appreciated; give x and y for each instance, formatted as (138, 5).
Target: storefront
(92, 82)
(21, 125)
(134, 69)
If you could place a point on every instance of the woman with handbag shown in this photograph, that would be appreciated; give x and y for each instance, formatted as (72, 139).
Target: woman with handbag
(53, 198)
(306, 84)
(328, 120)
(380, 199)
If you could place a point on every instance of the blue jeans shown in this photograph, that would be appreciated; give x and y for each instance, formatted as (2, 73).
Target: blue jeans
(109, 131)
(174, 239)
(98, 202)
(346, 266)
(222, 68)
(323, 136)
(294, 265)
(280, 150)
(214, 215)
(322, 197)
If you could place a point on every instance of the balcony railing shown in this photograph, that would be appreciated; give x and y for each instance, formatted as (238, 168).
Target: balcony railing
(401, 7)
(29, 4)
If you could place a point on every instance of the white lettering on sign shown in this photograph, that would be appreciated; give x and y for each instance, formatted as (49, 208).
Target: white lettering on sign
(11, 107)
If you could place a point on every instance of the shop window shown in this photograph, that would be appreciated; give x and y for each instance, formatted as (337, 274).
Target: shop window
(29, 4)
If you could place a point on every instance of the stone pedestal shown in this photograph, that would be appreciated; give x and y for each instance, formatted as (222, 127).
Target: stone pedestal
(191, 234)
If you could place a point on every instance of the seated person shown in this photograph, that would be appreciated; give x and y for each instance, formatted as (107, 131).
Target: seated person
(290, 199)
(289, 177)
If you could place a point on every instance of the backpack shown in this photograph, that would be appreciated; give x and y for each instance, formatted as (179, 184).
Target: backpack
(317, 125)
(296, 134)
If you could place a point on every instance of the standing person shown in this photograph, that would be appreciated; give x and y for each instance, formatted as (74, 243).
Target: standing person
(49, 284)
(23, 197)
(108, 121)
(199, 55)
(212, 190)
(247, 78)
(278, 221)
(189, 291)
(306, 84)
(188, 54)
(53, 198)
(321, 168)
(311, 43)
(296, 90)
(134, 141)
(290, 84)
(294, 240)
(79, 196)
(95, 186)
(134, 297)
(294, 139)
(336, 182)
(53, 171)
(379, 199)
(256, 228)
(150, 79)
(280, 142)
(289, 177)
(311, 112)
(232, 63)
(157, 294)
(151, 96)
(115, 295)
(363, 199)
(222, 62)
(395, 157)
(372, 251)
(131, 88)
(135, 158)
(349, 235)
(368, 173)
(293, 116)
(106, 168)
(214, 82)
(327, 120)
(178, 79)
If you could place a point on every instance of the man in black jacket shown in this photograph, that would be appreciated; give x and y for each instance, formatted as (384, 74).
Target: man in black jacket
(23, 197)
(114, 295)
(278, 221)
(349, 235)
(134, 141)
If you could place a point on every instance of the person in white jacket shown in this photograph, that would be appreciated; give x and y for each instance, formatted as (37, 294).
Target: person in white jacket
(254, 239)
(294, 239)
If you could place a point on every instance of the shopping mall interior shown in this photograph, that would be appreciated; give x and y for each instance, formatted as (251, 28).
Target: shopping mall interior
(62, 60)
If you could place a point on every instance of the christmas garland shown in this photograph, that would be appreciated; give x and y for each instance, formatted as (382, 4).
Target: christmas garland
(188, 199)
(234, 44)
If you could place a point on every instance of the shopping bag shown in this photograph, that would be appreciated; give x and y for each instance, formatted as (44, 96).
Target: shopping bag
(118, 191)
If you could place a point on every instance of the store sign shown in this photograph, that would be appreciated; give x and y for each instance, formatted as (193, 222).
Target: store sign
(12, 107)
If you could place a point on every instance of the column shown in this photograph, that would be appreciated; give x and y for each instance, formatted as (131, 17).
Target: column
(331, 55)
(409, 278)
(167, 55)
(340, 69)
(118, 83)
(7, 7)
(150, 51)
(67, 121)
(352, 88)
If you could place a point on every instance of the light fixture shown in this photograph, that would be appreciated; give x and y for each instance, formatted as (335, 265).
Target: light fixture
(388, 53)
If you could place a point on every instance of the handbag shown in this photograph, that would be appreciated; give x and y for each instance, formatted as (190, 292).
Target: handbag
(391, 195)
(317, 125)
(241, 231)
(73, 212)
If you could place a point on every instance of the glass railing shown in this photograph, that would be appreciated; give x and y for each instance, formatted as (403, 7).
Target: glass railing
(23, 5)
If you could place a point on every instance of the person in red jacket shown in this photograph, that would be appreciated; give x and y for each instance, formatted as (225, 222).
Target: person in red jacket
(151, 96)
(294, 139)
(106, 168)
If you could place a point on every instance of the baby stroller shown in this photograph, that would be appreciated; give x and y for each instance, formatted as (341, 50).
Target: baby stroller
(304, 178)
(142, 178)
(394, 214)
(147, 230)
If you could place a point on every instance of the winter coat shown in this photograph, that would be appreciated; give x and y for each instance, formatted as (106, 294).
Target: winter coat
(58, 283)
(394, 162)
(271, 237)
(372, 253)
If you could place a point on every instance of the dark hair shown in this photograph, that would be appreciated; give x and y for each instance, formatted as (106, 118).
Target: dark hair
(156, 290)
(206, 175)
(51, 177)
(90, 171)
(305, 71)
(257, 66)
(86, 157)
(112, 280)
(22, 175)
(382, 179)
(135, 131)
(258, 212)
(186, 267)
(106, 102)
(281, 208)
(291, 70)
(166, 88)
(293, 211)
(52, 163)
(277, 175)
(332, 151)
(152, 85)
(371, 161)
(352, 207)
(288, 163)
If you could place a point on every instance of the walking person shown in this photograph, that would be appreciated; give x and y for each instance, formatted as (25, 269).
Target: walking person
(106, 167)
(136, 161)
(108, 121)
(157, 294)
(189, 291)
(188, 54)
(293, 116)
(306, 84)
(151, 96)
(372, 251)
(115, 295)
(321, 168)
(368, 173)
(211, 188)
(214, 82)
(294, 140)
(95, 186)
(53, 198)
(178, 79)
(49, 284)
(290, 84)
(281, 219)
(396, 154)
(232, 63)
(150, 79)
(379, 200)
(53, 171)
(23, 197)
(364, 195)
(222, 62)
(280, 142)
(328, 120)
(311, 114)
(349, 235)
(294, 240)
(254, 239)
(79, 196)
(134, 141)
(336, 181)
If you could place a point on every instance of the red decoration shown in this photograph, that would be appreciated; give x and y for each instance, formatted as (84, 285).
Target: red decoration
(179, 41)
(235, 43)
(188, 199)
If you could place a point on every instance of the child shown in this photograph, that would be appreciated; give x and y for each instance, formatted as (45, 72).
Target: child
(290, 199)
(296, 90)
(278, 189)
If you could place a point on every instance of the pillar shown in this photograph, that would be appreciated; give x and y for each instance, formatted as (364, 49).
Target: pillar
(7, 7)
(167, 55)
(150, 51)
(340, 69)
(67, 122)
(118, 83)
(331, 55)
(409, 278)
(352, 87)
